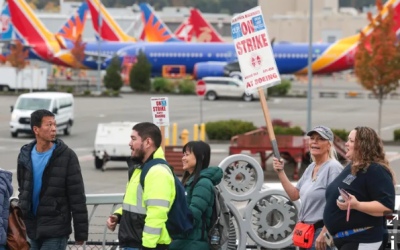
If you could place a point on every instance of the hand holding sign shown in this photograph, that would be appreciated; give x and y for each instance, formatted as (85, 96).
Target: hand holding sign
(256, 59)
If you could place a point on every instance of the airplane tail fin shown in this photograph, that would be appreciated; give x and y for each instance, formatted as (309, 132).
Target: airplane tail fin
(6, 25)
(155, 29)
(27, 25)
(185, 31)
(204, 31)
(75, 25)
(110, 30)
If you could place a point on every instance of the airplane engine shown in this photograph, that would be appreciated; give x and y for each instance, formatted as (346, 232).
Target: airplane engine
(204, 69)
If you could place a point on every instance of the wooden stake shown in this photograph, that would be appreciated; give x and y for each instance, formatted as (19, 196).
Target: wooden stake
(270, 129)
(162, 128)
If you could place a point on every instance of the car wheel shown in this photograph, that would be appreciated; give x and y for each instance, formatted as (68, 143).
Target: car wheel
(98, 163)
(14, 134)
(67, 130)
(211, 96)
(247, 98)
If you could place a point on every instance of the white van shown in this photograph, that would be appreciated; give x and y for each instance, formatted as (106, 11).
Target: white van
(227, 87)
(61, 104)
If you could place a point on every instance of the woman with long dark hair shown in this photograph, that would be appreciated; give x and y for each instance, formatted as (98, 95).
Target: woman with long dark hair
(367, 194)
(199, 180)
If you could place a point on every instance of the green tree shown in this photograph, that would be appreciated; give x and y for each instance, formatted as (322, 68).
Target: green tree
(113, 79)
(377, 60)
(139, 77)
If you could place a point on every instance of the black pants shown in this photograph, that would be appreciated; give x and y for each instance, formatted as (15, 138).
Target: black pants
(342, 244)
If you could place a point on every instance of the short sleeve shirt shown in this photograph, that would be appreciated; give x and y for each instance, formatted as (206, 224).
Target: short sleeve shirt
(312, 190)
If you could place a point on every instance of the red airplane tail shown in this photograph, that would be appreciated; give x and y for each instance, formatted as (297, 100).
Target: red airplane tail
(204, 30)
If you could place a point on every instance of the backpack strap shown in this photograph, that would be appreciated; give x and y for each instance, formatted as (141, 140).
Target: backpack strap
(147, 167)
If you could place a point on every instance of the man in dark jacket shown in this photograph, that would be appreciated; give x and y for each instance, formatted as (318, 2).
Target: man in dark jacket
(6, 190)
(51, 190)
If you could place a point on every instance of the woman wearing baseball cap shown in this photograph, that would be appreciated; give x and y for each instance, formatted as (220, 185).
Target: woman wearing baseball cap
(311, 188)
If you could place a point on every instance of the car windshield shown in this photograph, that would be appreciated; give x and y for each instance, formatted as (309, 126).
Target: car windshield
(33, 104)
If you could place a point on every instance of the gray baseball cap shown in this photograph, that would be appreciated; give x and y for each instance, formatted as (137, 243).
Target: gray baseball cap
(323, 131)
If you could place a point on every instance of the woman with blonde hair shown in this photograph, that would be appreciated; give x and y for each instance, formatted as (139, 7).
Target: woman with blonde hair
(312, 185)
(367, 194)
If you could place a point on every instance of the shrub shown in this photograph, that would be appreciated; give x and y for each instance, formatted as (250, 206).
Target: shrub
(139, 76)
(115, 93)
(163, 85)
(341, 133)
(397, 135)
(106, 93)
(187, 87)
(70, 89)
(280, 89)
(288, 130)
(113, 79)
(224, 130)
(280, 123)
(51, 87)
(86, 92)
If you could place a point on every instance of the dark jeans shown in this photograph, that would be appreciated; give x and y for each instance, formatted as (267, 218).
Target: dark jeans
(50, 244)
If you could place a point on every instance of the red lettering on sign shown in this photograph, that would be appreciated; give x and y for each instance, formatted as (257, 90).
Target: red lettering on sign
(247, 27)
(266, 78)
(252, 44)
(239, 49)
(249, 45)
(155, 109)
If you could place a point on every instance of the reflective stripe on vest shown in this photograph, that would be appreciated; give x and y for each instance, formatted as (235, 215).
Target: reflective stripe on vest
(152, 230)
(157, 202)
(138, 208)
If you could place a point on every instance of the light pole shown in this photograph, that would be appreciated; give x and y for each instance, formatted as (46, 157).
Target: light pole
(99, 24)
(309, 95)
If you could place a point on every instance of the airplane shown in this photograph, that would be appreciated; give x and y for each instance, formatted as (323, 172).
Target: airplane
(203, 30)
(211, 59)
(185, 31)
(6, 25)
(43, 44)
(195, 24)
(110, 30)
(154, 28)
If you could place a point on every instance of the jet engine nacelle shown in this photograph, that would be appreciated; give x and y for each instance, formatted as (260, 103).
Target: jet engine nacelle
(204, 69)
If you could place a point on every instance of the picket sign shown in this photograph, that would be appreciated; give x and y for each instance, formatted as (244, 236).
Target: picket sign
(160, 112)
(256, 60)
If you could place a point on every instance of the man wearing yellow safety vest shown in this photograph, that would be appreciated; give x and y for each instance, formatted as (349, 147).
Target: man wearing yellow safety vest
(144, 213)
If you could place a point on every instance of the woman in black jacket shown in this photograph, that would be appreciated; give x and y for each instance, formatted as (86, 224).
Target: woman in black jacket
(369, 182)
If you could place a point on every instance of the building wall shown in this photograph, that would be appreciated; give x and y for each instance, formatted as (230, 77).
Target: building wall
(291, 23)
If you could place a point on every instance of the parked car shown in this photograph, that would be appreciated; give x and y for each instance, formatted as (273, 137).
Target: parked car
(227, 87)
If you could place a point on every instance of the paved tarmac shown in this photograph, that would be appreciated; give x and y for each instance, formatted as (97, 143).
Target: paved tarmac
(184, 110)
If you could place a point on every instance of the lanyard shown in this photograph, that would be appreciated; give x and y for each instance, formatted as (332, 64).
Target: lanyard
(350, 232)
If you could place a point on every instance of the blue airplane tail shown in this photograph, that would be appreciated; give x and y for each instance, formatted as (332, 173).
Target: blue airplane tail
(154, 28)
(75, 25)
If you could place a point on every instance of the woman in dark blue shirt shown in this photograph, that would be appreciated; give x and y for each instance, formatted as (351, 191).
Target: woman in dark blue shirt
(369, 180)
